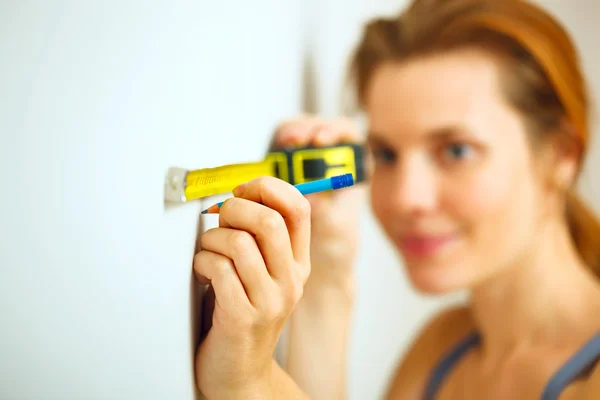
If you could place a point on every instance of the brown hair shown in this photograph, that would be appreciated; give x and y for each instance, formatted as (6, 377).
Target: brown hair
(541, 75)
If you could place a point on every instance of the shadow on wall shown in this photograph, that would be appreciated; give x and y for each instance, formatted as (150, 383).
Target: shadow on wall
(201, 307)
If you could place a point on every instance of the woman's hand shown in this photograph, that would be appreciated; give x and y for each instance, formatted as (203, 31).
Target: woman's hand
(334, 215)
(257, 262)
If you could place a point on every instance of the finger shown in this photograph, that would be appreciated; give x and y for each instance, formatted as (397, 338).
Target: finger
(298, 132)
(290, 204)
(267, 226)
(342, 130)
(241, 247)
(219, 270)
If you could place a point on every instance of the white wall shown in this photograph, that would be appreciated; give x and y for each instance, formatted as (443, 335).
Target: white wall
(96, 101)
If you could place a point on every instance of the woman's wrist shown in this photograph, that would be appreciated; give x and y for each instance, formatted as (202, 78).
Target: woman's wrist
(318, 294)
(258, 388)
(275, 385)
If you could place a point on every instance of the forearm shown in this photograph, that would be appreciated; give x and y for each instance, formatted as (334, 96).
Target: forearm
(277, 385)
(284, 387)
(319, 330)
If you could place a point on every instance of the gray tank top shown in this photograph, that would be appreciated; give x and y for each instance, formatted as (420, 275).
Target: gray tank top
(581, 362)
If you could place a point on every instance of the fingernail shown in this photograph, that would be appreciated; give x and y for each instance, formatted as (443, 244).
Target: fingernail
(239, 190)
(287, 133)
(323, 135)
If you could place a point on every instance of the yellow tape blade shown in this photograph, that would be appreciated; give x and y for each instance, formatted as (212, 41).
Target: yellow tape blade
(211, 181)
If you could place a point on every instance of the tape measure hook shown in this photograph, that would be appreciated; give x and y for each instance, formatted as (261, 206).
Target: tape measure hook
(175, 182)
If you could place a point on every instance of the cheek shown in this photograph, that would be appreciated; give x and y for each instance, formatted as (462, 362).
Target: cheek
(497, 210)
(482, 200)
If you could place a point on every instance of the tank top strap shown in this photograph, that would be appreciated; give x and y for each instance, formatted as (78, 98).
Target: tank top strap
(448, 361)
(583, 360)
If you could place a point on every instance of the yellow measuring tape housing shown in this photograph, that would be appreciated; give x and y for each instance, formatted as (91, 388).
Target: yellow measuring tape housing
(297, 165)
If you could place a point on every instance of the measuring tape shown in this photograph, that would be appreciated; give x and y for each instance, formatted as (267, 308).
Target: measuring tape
(296, 165)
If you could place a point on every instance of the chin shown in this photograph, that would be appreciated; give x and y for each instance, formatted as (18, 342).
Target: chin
(437, 278)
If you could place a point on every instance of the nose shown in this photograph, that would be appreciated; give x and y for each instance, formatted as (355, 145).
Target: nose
(415, 188)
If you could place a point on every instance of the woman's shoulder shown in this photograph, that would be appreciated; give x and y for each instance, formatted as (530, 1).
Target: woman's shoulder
(592, 387)
(590, 390)
(437, 337)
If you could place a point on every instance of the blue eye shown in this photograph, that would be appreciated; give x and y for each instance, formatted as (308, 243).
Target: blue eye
(458, 151)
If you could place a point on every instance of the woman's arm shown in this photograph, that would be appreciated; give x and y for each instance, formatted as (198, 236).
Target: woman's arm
(318, 329)
(278, 386)
(257, 262)
(283, 386)
(318, 342)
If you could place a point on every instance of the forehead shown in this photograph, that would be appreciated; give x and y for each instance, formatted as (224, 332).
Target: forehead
(459, 88)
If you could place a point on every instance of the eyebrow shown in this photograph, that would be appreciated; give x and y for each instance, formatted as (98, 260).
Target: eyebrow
(374, 138)
(441, 133)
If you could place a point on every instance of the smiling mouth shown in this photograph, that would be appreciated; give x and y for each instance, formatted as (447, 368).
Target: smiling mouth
(424, 246)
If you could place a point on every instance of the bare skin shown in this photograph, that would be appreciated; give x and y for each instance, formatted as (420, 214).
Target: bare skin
(468, 204)
(456, 161)
(532, 299)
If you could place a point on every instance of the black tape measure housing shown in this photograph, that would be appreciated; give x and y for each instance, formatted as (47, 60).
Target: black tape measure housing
(299, 165)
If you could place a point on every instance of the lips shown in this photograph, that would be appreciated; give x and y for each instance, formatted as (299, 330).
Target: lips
(424, 246)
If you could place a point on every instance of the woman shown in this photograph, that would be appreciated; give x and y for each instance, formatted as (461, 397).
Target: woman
(478, 126)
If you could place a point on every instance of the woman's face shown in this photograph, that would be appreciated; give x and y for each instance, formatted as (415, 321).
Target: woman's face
(453, 183)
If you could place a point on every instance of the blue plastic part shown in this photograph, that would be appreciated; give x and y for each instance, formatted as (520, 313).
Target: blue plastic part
(320, 185)
(341, 181)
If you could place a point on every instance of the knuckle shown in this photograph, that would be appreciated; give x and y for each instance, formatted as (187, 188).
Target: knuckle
(222, 267)
(305, 272)
(262, 182)
(273, 311)
(296, 291)
(301, 211)
(271, 221)
(198, 261)
(348, 127)
(229, 205)
(205, 237)
(286, 125)
(303, 208)
(240, 241)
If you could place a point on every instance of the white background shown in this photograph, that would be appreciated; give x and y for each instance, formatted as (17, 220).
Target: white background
(97, 100)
